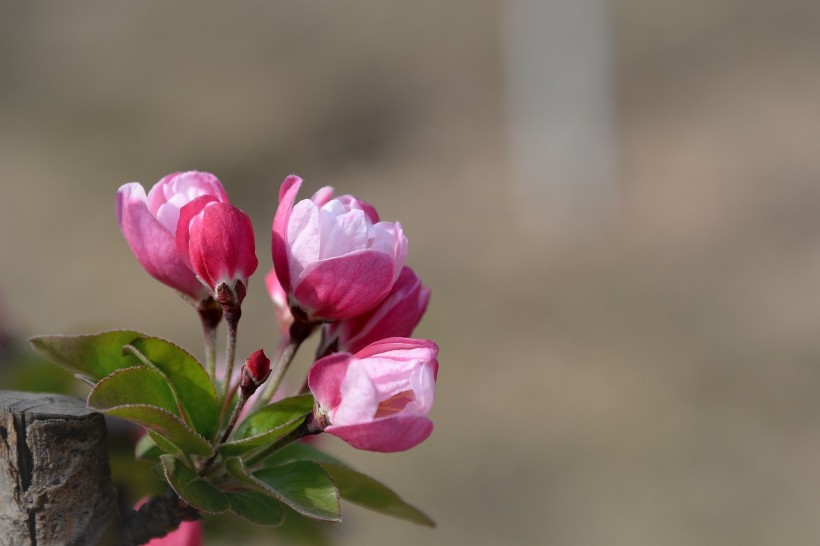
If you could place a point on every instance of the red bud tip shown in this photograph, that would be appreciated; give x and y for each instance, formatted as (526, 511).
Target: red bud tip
(258, 365)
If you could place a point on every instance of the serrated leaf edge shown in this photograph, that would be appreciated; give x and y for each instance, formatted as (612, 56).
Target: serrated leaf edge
(192, 432)
(126, 370)
(57, 359)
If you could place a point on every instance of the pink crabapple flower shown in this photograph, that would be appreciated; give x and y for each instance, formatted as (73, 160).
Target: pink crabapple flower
(378, 399)
(149, 224)
(284, 318)
(333, 256)
(396, 316)
(189, 533)
(216, 241)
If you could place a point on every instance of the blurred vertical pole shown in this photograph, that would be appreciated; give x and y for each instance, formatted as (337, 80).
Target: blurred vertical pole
(559, 113)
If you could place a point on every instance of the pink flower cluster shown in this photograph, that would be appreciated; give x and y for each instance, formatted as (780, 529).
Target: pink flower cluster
(337, 266)
(186, 234)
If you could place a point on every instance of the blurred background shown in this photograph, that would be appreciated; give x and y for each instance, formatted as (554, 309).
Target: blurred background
(615, 204)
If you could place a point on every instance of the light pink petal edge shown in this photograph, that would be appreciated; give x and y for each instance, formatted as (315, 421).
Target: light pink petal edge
(279, 242)
(398, 433)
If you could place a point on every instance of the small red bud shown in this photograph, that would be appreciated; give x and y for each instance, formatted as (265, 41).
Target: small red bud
(255, 371)
(258, 365)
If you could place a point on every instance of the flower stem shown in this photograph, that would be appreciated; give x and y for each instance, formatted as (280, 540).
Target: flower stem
(210, 314)
(237, 410)
(232, 315)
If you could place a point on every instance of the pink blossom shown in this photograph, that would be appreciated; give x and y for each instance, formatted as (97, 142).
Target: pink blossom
(378, 399)
(284, 318)
(216, 240)
(149, 224)
(396, 316)
(333, 256)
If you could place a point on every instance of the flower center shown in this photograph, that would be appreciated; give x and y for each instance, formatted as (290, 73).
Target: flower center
(395, 404)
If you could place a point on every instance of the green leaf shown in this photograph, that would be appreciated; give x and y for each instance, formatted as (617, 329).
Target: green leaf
(92, 355)
(274, 415)
(369, 493)
(256, 507)
(166, 424)
(164, 445)
(353, 486)
(192, 489)
(268, 424)
(190, 382)
(302, 485)
(299, 451)
(147, 449)
(137, 385)
(142, 395)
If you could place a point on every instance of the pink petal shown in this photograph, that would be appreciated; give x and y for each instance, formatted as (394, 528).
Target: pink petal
(284, 318)
(342, 232)
(355, 203)
(397, 433)
(304, 237)
(325, 379)
(183, 232)
(396, 316)
(359, 397)
(423, 383)
(226, 243)
(157, 195)
(174, 191)
(153, 246)
(322, 196)
(398, 344)
(343, 287)
(279, 246)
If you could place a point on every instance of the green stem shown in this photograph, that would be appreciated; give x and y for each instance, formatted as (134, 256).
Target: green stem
(232, 318)
(210, 353)
(210, 314)
(237, 410)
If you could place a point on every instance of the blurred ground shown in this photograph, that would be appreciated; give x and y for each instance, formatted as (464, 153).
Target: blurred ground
(655, 381)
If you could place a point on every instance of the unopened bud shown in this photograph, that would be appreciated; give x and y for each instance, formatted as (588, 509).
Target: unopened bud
(255, 371)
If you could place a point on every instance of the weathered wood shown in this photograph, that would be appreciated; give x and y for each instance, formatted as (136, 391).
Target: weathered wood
(55, 483)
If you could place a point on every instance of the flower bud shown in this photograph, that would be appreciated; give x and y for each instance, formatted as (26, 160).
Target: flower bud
(149, 224)
(255, 371)
(216, 240)
(377, 399)
(333, 256)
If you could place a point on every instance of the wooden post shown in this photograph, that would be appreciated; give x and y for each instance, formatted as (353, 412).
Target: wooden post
(55, 483)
